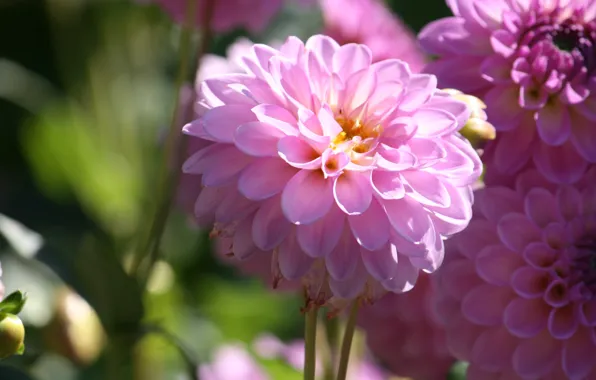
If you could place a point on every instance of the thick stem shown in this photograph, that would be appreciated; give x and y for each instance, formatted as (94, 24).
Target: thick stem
(346, 343)
(310, 342)
(331, 335)
(175, 145)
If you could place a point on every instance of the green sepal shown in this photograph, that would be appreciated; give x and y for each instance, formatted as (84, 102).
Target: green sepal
(13, 303)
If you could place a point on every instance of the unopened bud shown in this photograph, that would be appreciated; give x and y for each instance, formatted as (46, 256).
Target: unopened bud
(12, 335)
(75, 332)
(477, 130)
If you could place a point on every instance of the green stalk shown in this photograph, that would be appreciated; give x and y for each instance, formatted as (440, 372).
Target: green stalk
(310, 342)
(346, 344)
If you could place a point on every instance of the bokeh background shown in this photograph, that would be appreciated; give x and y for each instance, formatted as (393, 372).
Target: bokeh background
(86, 91)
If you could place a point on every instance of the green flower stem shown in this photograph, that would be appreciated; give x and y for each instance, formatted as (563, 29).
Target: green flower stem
(310, 342)
(175, 145)
(346, 344)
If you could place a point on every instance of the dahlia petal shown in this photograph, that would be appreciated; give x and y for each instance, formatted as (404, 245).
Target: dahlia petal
(588, 108)
(333, 163)
(578, 355)
(381, 263)
(359, 87)
(306, 197)
(351, 58)
(293, 263)
(407, 218)
(233, 207)
(426, 188)
(218, 91)
(223, 166)
(258, 139)
(221, 122)
(427, 152)
(257, 183)
(453, 219)
(529, 282)
(540, 255)
(461, 276)
(206, 204)
(243, 245)
(330, 127)
(420, 89)
(491, 356)
(583, 136)
(371, 228)
(433, 256)
(535, 357)
(560, 164)
(460, 344)
(460, 110)
(511, 152)
(321, 237)
(462, 73)
(388, 184)
(484, 304)
(197, 162)
(496, 70)
(569, 202)
(404, 279)
(502, 107)
(503, 43)
(352, 286)
(540, 206)
(298, 153)
(461, 162)
(526, 318)
(394, 159)
(562, 322)
(324, 47)
(481, 233)
(495, 264)
(553, 123)
(451, 35)
(434, 122)
(587, 313)
(270, 227)
(353, 192)
(276, 116)
(196, 128)
(516, 231)
(344, 258)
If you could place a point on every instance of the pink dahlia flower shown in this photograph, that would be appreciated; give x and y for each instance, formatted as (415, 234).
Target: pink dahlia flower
(403, 331)
(517, 293)
(347, 174)
(533, 62)
(232, 362)
(381, 30)
(253, 15)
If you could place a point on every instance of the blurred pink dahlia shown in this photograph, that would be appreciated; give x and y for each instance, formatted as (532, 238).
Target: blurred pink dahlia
(235, 362)
(382, 31)
(533, 62)
(253, 15)
(402, 330)
(347, 174)
(517, 293)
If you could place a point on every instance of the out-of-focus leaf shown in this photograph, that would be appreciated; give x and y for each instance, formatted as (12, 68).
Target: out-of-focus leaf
(14, 303)
(278, 369)
(24, 241)
(458, 371)
(11, 373)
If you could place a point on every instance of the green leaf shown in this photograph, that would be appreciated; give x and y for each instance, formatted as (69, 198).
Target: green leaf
(14, 303)
(21, 350)
(458, 371)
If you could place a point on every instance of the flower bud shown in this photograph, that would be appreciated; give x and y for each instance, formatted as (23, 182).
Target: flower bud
(477, 130)
(12, 335)
(75, 332)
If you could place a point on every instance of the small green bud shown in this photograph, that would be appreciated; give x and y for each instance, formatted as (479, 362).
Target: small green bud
(12, 335)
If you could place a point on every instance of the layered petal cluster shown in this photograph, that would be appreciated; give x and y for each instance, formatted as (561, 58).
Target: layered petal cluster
(533, 62)
(348, 174)
(384, 33)
(403, 331)
(234, 362)
(517, 293)
(253, 15)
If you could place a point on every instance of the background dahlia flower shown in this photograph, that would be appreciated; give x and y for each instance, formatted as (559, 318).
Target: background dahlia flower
(533, 62)
(382, 31)
(517, 293)
(402, 330)
(347, 174)
(234, 361)
(253, 15)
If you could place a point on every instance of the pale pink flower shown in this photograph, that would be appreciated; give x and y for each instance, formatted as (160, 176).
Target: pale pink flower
(371, 23)
(347, 174)
(232, 362)
(403, 332)
(517, 293)
(270, 347)
(533, 62)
